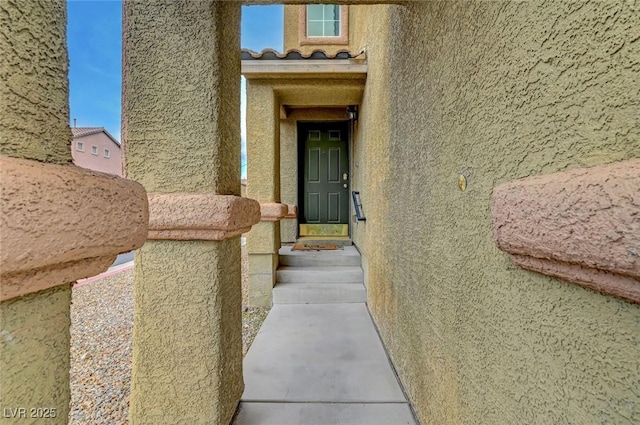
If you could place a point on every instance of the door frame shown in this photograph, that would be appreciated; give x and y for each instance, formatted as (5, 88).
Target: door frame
(303, 124)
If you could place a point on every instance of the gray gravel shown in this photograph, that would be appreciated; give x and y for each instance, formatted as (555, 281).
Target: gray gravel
(101, 339)
(101, 329)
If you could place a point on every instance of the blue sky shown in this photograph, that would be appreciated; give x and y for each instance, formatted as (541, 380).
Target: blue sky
(94, 37)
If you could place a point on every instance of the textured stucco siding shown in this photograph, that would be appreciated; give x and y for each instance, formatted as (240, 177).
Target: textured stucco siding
(34, 355)
(181, 133)
(181, 374)
(370, 149)
(34, 117)
(263, 171)
(180, 97)
(34, 88)
(495, 92)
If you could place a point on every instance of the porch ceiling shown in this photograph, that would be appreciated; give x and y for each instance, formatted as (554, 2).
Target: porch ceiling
(325, 93)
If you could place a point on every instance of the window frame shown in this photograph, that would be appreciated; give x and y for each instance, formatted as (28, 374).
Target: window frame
(304, 39)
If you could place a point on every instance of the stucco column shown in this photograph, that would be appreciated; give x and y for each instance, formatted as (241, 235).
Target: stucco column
(181, 130)
(34, 340)
(48, 211)
(263, 185)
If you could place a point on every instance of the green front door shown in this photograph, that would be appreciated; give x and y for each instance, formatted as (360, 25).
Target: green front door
(325, 178)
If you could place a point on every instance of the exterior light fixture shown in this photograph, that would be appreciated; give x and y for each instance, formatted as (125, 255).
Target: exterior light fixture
(352, 111)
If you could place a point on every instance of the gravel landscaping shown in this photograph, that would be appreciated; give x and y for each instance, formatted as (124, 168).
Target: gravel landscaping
(101, 339)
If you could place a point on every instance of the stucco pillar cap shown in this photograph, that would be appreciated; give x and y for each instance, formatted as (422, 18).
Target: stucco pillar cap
(579, 225)
(273, 211)
(60, 223)
(200, 216)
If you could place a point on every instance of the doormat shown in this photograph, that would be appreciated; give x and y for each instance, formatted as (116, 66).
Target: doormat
(305, 247)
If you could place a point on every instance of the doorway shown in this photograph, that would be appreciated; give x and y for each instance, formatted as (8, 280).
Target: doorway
(323, 158)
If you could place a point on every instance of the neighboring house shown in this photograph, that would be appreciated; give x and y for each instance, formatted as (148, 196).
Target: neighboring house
(94, 148)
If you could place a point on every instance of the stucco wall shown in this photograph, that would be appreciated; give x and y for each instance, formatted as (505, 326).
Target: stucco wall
(34, 116)
(34, 355)
(98, 162)
(181, 133)
(165, 66)
(34, 90)
(180, 368)
(495, 92)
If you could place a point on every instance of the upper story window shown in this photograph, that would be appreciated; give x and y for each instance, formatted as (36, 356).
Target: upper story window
(80, 146)
(323, 20)
(324, 24)
(94, 150)
(107, 154)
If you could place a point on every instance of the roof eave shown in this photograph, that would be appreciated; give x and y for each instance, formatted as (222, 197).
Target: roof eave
(98, 130)
(288, 69)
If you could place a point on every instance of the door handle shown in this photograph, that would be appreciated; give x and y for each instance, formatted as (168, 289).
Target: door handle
(345, 176)
(345, 185)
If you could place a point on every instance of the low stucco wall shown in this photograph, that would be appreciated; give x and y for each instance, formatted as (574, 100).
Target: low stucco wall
(495, 92)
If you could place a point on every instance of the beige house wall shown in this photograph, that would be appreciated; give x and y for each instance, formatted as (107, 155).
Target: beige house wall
(494, 92)
(98, 162)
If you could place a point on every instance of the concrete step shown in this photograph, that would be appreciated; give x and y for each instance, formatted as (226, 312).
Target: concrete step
(324, 413)
(318, 258)
(319, 293)
(316, 274)
(325, 240)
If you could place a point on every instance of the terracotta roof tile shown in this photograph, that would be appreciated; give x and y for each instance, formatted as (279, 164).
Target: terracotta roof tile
(294, 54)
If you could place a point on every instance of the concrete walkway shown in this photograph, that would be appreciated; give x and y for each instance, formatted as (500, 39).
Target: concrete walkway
(320, 361)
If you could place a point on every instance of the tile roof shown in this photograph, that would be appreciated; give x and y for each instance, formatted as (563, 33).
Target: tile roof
(87, 131)
(294, 54)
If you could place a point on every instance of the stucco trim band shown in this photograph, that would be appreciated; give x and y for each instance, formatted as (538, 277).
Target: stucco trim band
(60, 223)
(273, 211)
(292, 211)
(581, 225)
(200, 216)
